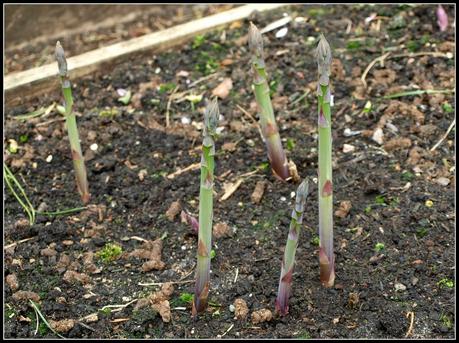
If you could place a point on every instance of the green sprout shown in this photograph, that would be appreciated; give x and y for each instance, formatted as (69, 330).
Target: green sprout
(380, 200)
(290, 144)
(207, 64)
(445, 282)
(326, 256)
(198, 41)
(379, 247)
(315, 240)
(110, 252)
(285, 282)
(211, 117)
(446, 321)
(167, 87)
(407, 176)
(77, 156)
(422, 232)
(126, 98)
(212, 254)
(12, 146)
(268, 123)
(186, 298)
(447, 107)
(194, 99)
(23, 138)
(353, 45)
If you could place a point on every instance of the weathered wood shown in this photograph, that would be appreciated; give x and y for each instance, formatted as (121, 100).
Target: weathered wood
(21, 86)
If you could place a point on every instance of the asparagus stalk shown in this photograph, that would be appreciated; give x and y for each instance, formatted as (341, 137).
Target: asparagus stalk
(211, 117)
(326, 256)
(77, 156)
(285, 282)
(268, 124)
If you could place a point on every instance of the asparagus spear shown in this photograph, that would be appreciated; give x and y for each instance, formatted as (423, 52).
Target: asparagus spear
(211, 117)
(268, 124)
(77, 156)
(326, 256)
(285, 282)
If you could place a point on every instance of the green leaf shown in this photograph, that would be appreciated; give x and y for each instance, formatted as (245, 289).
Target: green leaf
(186, 298)
(353, 45)
(380, 200)
(290, 144)
(126, 98)
(447, 107)
(407, 176)
(167, 87)
(379, 246)
(198, 41)
(367, 108)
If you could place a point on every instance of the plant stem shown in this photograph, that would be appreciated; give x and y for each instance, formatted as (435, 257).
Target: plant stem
(326, 256)
(268, 124)
(77, 156)
(285, 282)
(205, 209)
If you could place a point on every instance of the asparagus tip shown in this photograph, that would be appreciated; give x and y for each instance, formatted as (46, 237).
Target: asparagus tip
(324, 59)
(211, 116)
(60, 58)
(255, 40)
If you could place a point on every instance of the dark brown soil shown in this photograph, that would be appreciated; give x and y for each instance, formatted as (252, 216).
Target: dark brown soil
(398, 202)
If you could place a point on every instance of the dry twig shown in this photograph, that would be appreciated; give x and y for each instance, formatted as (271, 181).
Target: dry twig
(444, 136)
(380, 59)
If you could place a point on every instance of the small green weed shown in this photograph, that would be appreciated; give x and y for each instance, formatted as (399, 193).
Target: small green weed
(110, 252)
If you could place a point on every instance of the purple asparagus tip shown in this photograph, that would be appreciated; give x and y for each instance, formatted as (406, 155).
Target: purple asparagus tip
(442, 18)
(190, 220)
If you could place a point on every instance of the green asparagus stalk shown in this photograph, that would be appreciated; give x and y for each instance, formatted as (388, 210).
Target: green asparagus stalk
(326, 256)
(77, 156)
(211, 117)
(285, 282)
(268, 124)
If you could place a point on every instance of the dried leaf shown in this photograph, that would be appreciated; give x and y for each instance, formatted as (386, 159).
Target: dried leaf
(71, 276)
(344, 208)
(258, 192)
(62, 326)
(230, 188)
(240, 309)
(173, 210)
(261, 316)
(26, 295)
(223, 89)
(12, 281)
(222, 230)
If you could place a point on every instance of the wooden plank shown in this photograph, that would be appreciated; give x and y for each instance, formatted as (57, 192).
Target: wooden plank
(25, 84)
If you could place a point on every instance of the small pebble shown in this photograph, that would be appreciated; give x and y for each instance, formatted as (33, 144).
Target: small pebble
(49, 158)
(400, 287)
(348, 148)
(231, 308)
(94, 147)
(283, 198)
(282, 32)
(443, 181)
(186, 120)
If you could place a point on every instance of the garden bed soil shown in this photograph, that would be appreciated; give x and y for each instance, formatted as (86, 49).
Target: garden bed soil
(395, 266)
